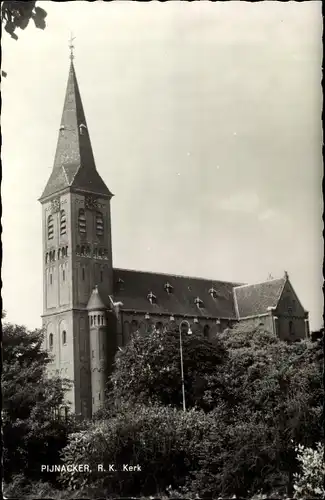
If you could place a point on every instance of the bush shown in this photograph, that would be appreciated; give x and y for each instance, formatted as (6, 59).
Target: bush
(165, 442)
(309, 482)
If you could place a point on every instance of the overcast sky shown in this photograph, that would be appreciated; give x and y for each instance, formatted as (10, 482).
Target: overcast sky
(205, 121)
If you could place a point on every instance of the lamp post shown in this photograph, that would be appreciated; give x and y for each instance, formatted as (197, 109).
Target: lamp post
(189, 332)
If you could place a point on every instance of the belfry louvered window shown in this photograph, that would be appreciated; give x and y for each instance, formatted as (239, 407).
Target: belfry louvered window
(82, 221)
(99, 224)
(63, 223)
(50, 227)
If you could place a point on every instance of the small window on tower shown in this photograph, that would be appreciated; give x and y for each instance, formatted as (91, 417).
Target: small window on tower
(83, 274)
(92, 354)
(50, 227)
(63, 224)
(64, 337)
(63, 275)
(51, 340)
(82, 221)
(99, 224)
(51, 279)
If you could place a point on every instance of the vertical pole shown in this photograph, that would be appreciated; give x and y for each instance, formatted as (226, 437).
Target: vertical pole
(182, 369)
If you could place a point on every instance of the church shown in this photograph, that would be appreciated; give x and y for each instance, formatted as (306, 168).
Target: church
(91, 308)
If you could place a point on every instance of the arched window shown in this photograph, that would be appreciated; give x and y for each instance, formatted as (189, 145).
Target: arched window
(99, 224)
(64, 337)
(50, 227)
(50, 278)
(63, 274)
(66, 251)
(291, 328)
(63, 223)
(59, 254)
(206, 331)
(98, 319)
(82, 221)
(46, 258)
(51, 340)
(83, 274)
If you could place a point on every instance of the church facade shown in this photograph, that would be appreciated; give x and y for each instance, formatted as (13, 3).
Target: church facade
(91, 308)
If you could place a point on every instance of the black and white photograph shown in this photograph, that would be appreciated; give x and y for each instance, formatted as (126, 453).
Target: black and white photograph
(162, 250)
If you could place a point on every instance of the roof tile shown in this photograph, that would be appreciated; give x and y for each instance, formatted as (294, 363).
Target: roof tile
(253, 300)
(136, 286)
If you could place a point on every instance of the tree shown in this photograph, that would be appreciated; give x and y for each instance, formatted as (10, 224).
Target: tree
(148, 368)
(33, 433)
(17, 14)
(275, 399)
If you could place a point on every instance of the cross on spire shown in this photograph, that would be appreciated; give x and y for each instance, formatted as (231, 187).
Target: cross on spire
(71, 46)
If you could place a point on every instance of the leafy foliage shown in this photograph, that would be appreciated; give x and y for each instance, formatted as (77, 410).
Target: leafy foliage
(17, 14)
(164, 441)
(250, 397)
(32, 432)
(148, 368)
(309, 482)
(276, 399)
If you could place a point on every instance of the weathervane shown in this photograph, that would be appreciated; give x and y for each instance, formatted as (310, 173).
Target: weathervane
(71, 47)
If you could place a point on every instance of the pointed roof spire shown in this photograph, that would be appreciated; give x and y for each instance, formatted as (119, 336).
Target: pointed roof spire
(74, 164)
(95, 302)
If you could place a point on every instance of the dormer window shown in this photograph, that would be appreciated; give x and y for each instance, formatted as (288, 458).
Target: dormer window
(172, 318)
(152, 298)
(196, 320)
(198, 302)
(168, 287)
(213, 293)
(82, 128)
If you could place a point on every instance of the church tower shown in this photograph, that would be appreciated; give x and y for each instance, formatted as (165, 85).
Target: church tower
(77, 249)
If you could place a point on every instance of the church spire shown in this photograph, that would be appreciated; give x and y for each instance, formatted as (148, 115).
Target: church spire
(74, 164)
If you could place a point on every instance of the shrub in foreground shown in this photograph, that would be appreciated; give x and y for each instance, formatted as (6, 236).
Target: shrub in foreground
(166, 443)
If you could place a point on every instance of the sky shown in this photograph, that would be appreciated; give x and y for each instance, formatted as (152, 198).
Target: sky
(205, 122)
